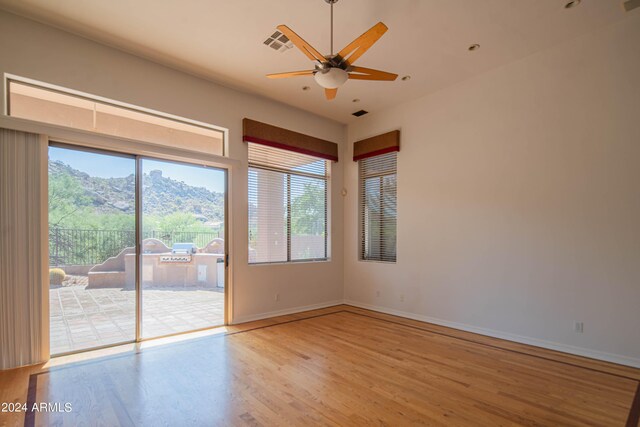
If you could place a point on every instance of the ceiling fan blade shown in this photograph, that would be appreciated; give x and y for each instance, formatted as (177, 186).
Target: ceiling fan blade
(330, 93)
(359, 46)
(370, 74)
(290, 74)
(299, 42)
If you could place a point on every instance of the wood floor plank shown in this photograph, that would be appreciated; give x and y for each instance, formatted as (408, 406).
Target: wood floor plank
(337, 366)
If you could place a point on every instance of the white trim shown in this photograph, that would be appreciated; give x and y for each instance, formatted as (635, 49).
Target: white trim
(113, 143)
(45, 320)
(229, 260)
(5, 98)
(551, 345)
(243, 319)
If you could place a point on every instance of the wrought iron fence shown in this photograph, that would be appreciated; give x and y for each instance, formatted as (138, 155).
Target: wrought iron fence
(87, 247)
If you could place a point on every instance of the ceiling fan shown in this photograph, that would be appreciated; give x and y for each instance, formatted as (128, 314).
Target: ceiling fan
(332, 71)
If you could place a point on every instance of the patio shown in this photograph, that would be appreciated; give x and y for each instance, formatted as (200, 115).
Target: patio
(83, 318)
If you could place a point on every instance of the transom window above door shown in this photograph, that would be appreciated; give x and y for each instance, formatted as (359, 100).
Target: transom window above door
(63, 107)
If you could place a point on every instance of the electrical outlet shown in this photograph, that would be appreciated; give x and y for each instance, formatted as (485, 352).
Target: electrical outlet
(578, 327)
(401, 298)
(277, 297)
(377, 293)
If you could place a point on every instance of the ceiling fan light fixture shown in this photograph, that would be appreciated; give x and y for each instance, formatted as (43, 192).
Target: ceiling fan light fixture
(330, 71)
(332, 78)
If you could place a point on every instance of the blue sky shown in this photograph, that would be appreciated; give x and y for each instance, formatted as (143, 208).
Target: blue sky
(108, 166)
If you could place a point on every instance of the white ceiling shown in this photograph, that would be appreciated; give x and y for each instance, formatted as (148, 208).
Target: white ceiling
(427, 39)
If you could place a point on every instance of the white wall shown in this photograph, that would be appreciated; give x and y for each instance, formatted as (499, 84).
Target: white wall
(40, 52)
(519, 201)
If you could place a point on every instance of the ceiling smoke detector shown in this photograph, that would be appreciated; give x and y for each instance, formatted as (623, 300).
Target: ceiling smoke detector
(278, 41)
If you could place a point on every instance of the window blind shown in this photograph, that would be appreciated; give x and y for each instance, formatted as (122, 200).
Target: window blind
(378, 207)
(23, 201)
(287, 205)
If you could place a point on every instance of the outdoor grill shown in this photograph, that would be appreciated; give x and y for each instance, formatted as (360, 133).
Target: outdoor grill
(184, 249)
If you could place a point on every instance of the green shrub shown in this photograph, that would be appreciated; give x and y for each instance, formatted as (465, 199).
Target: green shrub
(56, 276)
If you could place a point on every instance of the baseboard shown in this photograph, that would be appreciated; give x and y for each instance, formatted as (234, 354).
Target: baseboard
(551, 345)
(299, 309)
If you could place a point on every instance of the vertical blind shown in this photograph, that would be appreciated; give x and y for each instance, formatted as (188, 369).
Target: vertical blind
(24, 306)
(378, 207)
(287, 205)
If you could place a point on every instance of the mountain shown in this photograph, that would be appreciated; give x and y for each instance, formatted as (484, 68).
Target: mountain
(161, 195)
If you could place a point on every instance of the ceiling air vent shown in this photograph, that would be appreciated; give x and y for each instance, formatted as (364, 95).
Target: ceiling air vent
(360, 113)
(278, 41)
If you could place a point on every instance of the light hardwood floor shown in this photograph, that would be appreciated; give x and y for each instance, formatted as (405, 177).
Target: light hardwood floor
(338, 366)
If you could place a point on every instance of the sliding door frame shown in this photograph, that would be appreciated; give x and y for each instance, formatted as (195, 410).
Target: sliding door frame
(227, 238)
(138, 279)
(138, 156)
(105, 152)
(80, 138)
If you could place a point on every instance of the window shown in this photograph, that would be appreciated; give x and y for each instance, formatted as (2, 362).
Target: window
(55, 106)
(378, 207)
(287, 205)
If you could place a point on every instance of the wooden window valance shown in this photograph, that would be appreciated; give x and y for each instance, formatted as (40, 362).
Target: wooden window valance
(273, 136)
(376, 145)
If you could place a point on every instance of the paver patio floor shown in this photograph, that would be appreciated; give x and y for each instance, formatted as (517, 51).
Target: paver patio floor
(84, 318)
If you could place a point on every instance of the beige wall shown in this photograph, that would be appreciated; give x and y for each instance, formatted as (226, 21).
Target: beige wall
(518, 190)
(40, 52)
(519, 201)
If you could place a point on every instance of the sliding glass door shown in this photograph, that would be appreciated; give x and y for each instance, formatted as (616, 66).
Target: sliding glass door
(104, 288)
(92, 208)
(182, 275)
